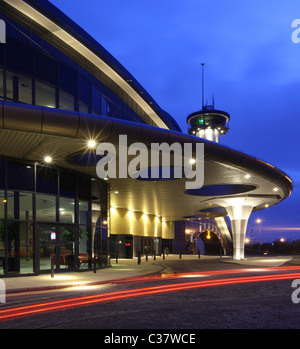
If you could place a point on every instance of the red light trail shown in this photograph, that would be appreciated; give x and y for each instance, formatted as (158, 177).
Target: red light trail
(36, 309)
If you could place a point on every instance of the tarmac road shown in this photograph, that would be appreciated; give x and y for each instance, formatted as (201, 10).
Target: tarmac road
(259, 305)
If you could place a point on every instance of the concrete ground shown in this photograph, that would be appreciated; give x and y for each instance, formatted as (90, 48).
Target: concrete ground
(129, 267)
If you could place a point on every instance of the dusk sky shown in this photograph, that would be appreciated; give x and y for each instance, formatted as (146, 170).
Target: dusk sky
(252, 67)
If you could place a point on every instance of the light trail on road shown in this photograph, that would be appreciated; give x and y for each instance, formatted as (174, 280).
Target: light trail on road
(45, 307)
(148, 278)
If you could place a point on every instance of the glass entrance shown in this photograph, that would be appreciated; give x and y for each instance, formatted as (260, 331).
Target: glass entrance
(58, 242)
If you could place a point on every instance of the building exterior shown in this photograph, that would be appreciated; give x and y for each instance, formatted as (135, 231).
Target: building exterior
(61, 95)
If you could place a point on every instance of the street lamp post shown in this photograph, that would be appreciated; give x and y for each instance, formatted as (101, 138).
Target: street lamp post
(259, 222)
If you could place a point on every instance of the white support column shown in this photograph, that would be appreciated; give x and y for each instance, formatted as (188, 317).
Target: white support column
(239, 214)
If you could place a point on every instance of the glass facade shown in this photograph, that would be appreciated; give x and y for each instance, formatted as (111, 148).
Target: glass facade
(207, 120)
(48, 212)
(39, 74)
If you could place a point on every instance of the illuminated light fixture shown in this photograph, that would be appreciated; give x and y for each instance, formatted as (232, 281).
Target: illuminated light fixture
(247, 176)
(258, 220)
(187, 231)
(105, 222)
(91, 143)
(275, 189)
(282, 240)
(208, 235)
(106, 178)
(48, 159)
(247, 240)
(192, 161)
(267, 205)
(116, 192)
(4, 201)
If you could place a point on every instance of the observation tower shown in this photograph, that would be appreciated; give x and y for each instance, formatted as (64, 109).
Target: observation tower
(208, 123)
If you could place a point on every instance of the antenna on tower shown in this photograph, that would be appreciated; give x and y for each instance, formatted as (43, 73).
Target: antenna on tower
(202, 84)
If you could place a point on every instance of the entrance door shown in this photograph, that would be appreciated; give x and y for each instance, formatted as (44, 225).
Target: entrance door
(57, 242)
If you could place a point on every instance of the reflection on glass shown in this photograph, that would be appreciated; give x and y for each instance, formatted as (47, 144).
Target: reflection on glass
(18, 87)
(25, 230)
(3, 202)
(10, 200)
(82, 107)
(66, 210)
(66, 100)
(25, 204)
(84, 247)
(45, 208)
(67, 238)
(44, 95)
(84, 212)
(48, 236)
(67, 247)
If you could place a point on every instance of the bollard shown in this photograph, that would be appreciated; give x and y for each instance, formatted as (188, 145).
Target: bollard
(154, 255)
(116, 256)
(139, 257)
(52, 266)
(146, 256)
(180, 255)
(163, 253)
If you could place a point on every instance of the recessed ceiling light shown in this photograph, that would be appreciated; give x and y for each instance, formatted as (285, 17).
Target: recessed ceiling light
(91, 143)
(247, 176)
(275, 189)
(48, 159)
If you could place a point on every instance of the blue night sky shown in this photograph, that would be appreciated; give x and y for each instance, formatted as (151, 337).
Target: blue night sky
(252, 67)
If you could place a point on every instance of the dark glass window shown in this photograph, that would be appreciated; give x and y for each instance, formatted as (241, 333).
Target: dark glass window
(1, 84)
(68, 184)
(20, 176)
(84, 94)
(96, 101)
(46, 68)
(19, 57)
(2, 173)
(67, 79)
(84, 188)
(46, 180)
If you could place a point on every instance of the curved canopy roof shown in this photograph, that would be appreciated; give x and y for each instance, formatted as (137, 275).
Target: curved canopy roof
(30, 133)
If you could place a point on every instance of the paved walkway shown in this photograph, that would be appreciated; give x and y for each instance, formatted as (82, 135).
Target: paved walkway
(122, 269)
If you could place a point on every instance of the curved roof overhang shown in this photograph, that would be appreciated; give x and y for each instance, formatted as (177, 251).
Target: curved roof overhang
(30, 132)
(71, 37)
